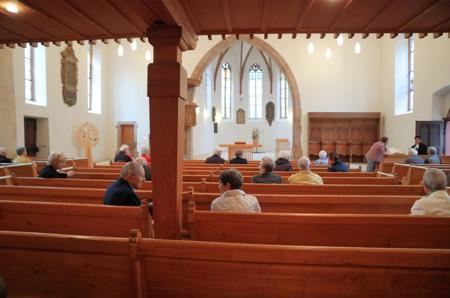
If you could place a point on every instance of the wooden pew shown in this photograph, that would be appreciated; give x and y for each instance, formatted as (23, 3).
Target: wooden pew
(74, 219)
(20, 170)
(366, 230)
(98, 267)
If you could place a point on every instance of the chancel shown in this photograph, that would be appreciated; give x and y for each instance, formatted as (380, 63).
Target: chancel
(307, 108)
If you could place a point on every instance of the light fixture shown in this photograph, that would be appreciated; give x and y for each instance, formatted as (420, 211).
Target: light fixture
(340, 40)
(328, 53)
(357, 48)
(12, 7)
(148, 55)
(134, 45)
(120, 51)
(310, 47)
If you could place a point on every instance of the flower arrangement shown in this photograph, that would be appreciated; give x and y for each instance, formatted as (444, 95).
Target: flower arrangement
(255, 134)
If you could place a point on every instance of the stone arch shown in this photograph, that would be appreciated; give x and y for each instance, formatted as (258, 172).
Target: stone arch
(223, 45)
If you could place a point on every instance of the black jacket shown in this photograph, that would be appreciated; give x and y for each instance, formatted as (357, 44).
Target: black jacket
(422, 150)
(120, 193)
(4, 159)
(238, 160)
(338, 167)
(215, 159)
(51, 172)
(282, 164)
(267, 178)
(121, 156)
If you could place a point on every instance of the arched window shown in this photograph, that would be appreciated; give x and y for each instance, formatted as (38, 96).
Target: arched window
(255, 91)
(35, 76)
(410, 73)
(226, 91)
(284, 97)
(29, 74)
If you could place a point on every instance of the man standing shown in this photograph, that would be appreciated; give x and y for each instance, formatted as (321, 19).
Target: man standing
(375, 154)
(419, 146)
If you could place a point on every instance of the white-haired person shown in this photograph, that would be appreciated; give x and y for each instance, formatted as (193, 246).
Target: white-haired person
(304, 176)
(436, 202)
(145, 154)
(232, 198)
(283, 162)
(124, 154)
(122, 191)
(3, 158)
(323, 160)
(413, 157)
(433, 157)
(147, 169)
(22, 156)
(216, 157)
(266, 167)
(55, 164)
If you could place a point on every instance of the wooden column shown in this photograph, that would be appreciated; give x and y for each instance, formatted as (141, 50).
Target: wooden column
(167, 90)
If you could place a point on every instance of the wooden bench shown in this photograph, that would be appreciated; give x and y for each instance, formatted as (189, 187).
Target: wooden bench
(21, 170)
(98, 267)
(74, 219)
(366, 230)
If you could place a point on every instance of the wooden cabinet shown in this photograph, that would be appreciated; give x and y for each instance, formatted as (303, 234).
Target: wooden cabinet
(349, 134)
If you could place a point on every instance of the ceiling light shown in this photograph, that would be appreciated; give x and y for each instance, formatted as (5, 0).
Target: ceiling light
(340, 40)
(120, 51)
(12, 7)
(357, 48)
(148, 56)
(134, 45)
(310, 48)
(328, 53)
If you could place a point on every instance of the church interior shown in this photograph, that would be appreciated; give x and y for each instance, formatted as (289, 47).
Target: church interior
(160, 123)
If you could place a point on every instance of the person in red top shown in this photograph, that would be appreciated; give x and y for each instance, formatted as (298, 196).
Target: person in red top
(376, 153)
(145, 154)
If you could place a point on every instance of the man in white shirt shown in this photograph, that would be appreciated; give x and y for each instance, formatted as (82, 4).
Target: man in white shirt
(233, 198)
(437, 201)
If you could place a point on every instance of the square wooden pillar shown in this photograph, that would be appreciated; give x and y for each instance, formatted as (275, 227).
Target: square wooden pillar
(167, 90)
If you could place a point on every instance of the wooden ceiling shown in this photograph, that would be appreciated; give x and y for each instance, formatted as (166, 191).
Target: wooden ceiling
(71, 20)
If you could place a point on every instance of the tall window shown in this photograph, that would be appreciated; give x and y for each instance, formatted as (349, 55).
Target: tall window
(255, 91)
(284, 96)
(226, 91)
(89, 76)
(410, 73)
(29, 74)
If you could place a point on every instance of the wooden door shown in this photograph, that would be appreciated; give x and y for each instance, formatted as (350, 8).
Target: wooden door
(432, 133)
(127, 136)
(30, 128)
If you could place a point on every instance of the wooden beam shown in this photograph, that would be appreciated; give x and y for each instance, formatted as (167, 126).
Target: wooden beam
(93, 42)
(2, 46)
(237, 36)
(223, 37)
(437, 34)
(11, 45)
(57, 43)
(393, 35)
(226, 15)
(379, 35)
(69, 43)
(137, 30)
(408, 35)
(435, 28)
(294, 35)
(304, 12)
(365, 35)
(106, 41)
(308, 35)
(143, 39)
(117, 40)
(209, 37)
(265, 15)
(350, 35)
(80, 42)
(22, 45)
(378, 14)
(322, 35)
(45, 44)
(266, 35)
(280, 35)
(339, 15)
(34, 44)
(419, 15)
(190, 15)
(422, 35)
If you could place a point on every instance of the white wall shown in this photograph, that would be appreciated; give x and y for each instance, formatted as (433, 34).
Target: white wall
(7, 103)
(64, 121)
(432, 72)
(345, 83)
(128, 90)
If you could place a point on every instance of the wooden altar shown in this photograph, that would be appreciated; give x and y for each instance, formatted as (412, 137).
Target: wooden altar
(247, 148)
(348, 134)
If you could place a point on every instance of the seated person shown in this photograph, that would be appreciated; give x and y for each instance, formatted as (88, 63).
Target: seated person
(145, 154)
(266, 176)
(21, 156)
(336, 165)
(124, 154)
(232, 198)
(3, 158)
(413, 157)
(238, 159)
(305, 176)
(434, 156)
(283, 162)
(323, 160)
(147, 170)
(55, 163)
(419, 146)
(215, 158)
(436, 202)
(122, 191)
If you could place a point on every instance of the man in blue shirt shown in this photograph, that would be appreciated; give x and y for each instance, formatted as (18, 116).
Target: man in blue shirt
(336, 165)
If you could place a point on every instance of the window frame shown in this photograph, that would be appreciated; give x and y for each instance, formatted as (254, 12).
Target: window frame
(255, 82)
(90, 59)
(411, 53)
(31, 62)
(226, 91)
(284, 97)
